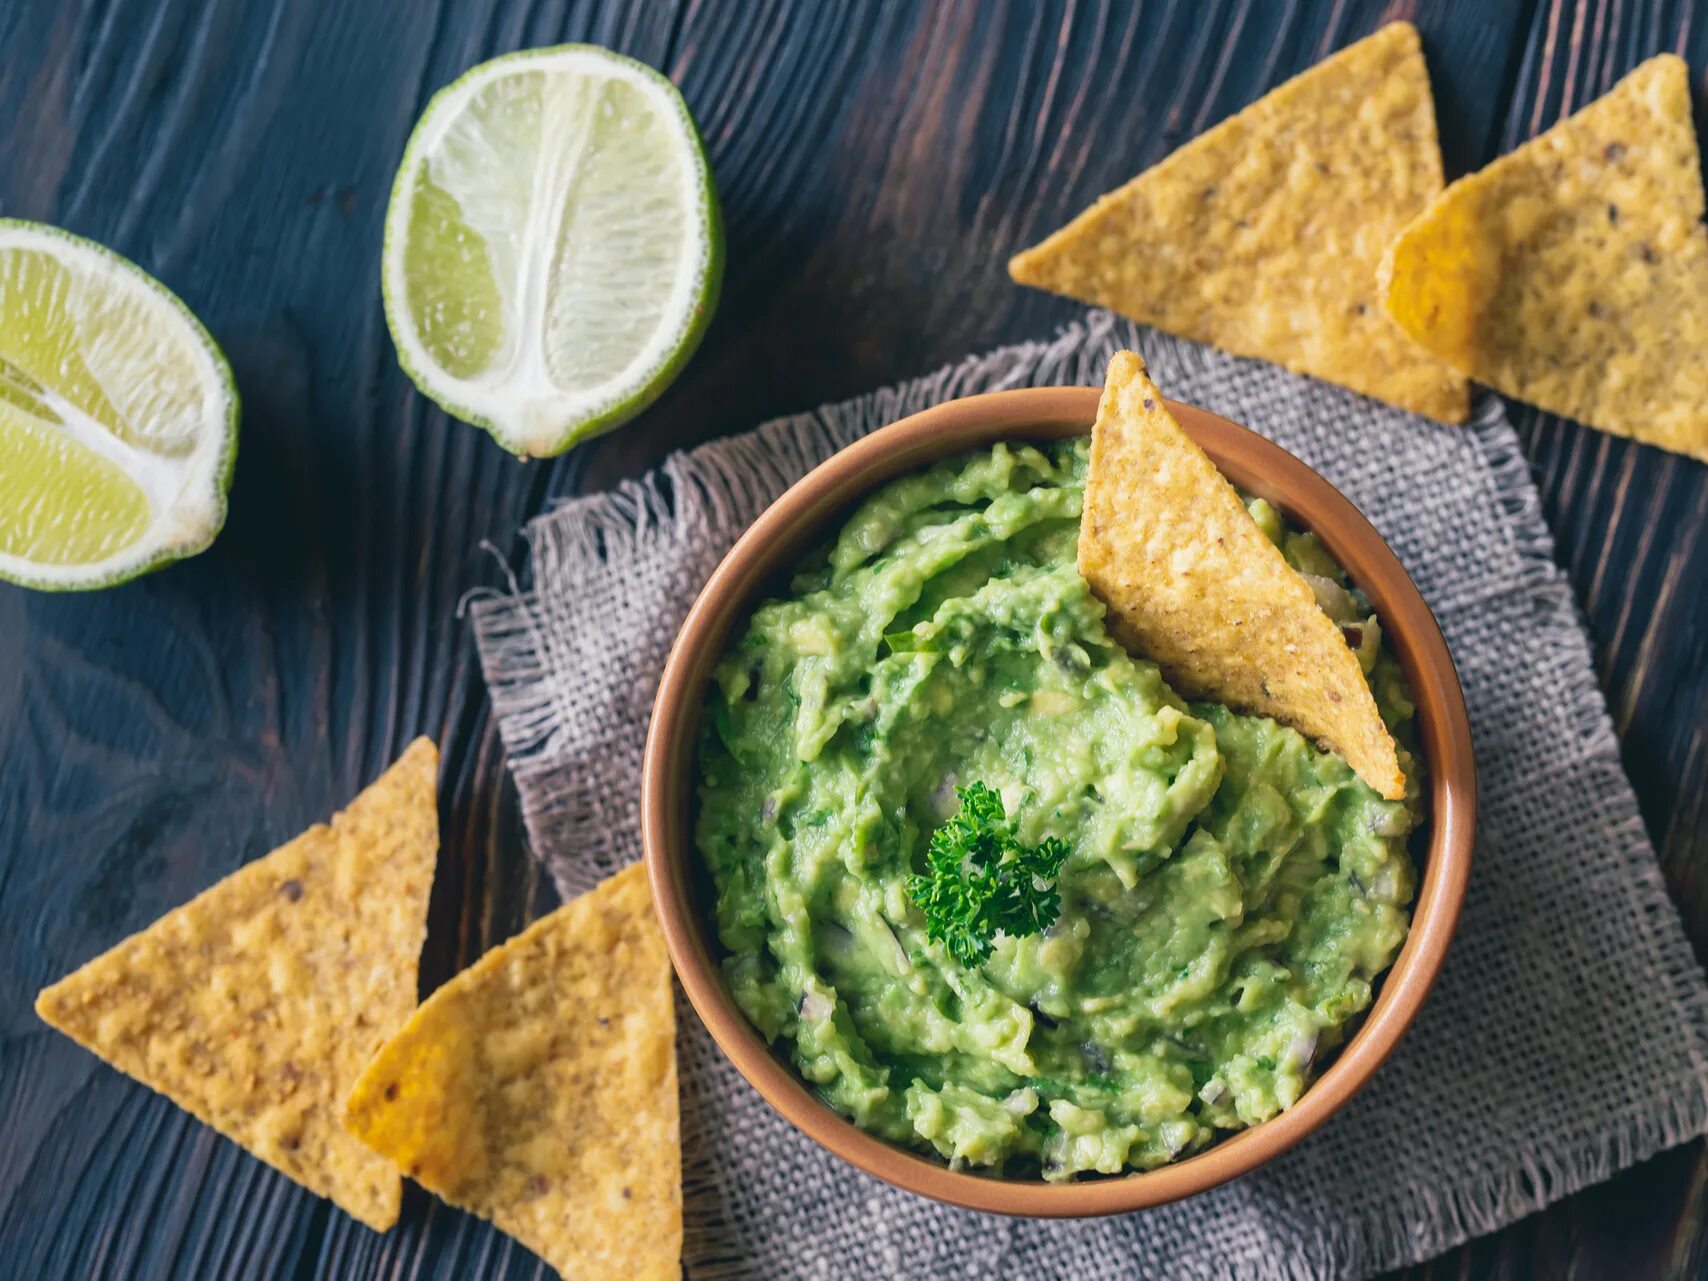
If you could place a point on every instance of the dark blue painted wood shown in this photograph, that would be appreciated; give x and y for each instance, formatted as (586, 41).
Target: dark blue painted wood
(878, 162)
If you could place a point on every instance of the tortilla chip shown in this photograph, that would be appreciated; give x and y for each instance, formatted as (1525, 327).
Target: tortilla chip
(1193, 583)
(538, 1089)
(256, 1005)
(1263, 235)
(1573, 272)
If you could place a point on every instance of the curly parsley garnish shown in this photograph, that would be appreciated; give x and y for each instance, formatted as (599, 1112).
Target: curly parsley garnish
(980, 879)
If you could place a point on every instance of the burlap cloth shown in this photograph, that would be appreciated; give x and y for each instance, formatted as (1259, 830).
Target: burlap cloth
(1566, 1038)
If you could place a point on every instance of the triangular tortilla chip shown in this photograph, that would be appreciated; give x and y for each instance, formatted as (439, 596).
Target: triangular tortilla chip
(1263, 235)
(1193, 583)
(256, 1005)
(538, 1089)
(1573, 272)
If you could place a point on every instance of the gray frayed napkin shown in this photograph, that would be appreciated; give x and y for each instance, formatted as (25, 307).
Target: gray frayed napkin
(1566, 1038)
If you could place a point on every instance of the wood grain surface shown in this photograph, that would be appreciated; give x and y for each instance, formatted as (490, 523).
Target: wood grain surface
(878, 162)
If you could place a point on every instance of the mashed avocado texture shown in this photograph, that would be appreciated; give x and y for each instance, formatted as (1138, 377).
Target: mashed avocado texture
(1230, 896)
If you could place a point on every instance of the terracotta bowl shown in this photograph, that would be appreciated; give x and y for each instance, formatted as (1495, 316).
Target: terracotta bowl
(812, 509)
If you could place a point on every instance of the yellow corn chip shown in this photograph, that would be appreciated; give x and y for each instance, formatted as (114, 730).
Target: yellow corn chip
(1193, 583)
(538, 1089)
(256, 1005)
(1263, 235)
(1573, 272)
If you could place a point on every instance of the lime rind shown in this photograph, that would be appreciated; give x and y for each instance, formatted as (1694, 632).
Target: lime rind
(186, 521)
(542, 427)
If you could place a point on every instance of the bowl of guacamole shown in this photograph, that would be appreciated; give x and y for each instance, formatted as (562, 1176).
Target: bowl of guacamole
(973, 894)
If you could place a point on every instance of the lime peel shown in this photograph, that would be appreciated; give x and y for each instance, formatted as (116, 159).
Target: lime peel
(118, 416)
(553, 245)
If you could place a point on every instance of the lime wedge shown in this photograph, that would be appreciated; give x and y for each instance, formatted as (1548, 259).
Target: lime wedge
(553, 245)
(118, 416)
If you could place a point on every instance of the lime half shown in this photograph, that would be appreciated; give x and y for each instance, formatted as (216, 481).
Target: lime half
(552, 247)
(118, 416)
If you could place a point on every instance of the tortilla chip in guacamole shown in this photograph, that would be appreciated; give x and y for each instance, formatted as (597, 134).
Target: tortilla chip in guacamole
(1191, 582)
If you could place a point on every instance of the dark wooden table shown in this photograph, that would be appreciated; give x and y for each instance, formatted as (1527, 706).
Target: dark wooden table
(878, 162)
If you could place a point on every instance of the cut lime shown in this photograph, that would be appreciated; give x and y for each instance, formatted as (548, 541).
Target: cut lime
(118, 417)
(552, 247)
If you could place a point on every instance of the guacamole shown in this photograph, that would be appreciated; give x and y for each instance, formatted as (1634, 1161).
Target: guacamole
(1231, 891)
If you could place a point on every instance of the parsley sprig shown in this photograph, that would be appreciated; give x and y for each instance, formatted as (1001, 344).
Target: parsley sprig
(980, 878)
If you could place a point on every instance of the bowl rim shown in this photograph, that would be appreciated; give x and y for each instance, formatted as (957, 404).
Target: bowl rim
(785, 528)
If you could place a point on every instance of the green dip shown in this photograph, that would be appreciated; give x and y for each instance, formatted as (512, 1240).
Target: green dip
(1232, 891)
